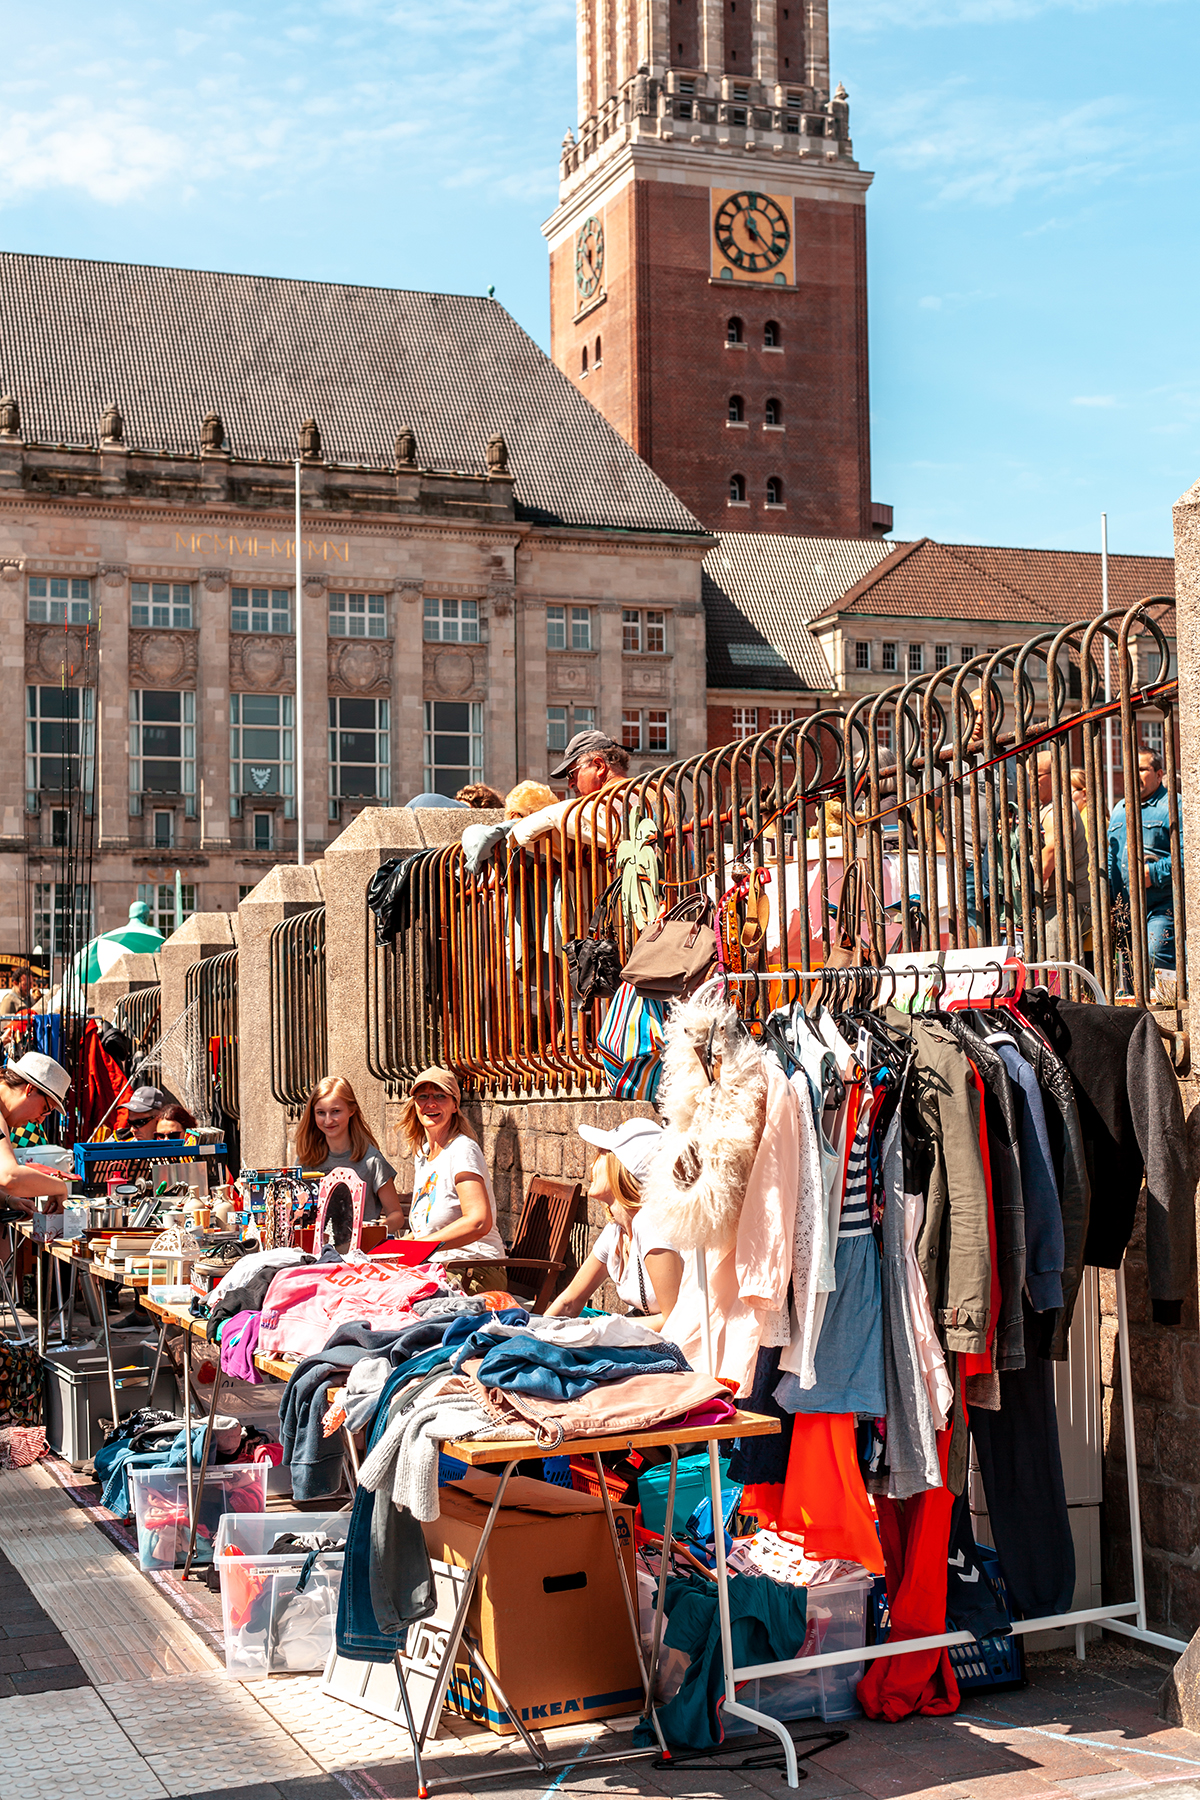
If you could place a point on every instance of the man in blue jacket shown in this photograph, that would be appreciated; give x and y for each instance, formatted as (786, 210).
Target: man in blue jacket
(1156, 859)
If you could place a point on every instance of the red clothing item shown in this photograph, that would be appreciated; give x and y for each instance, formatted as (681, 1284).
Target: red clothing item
(824, 1499)
(916, 1542)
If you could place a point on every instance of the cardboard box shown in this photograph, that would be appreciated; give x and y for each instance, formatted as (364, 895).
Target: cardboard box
(547, 1613)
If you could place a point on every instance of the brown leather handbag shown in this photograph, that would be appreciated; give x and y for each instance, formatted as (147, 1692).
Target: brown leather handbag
(676, 954)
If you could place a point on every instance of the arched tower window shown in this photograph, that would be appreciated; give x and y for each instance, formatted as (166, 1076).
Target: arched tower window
(737, 409)
(733, 332)
(596, 364)
(583, 362)
(771, 335)
(737, 489)
(773, 413)
(774, 491)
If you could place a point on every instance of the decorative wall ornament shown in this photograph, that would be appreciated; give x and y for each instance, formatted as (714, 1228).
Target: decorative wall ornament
(574, 678)
(360, 666)
(114, 575)
(215, 580)
(262, 663)
(49, 649)
(646, 678)
(310, 441)
(10, 571)
(500, 596)
(112, 425)
(497, 456)
(212, 433)
(163, 659)
(314, 586)
(454, 673)
(406, 448)
(10, 417)
(410, 590)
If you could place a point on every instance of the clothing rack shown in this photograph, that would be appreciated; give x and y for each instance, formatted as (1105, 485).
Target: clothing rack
(1113, 1618)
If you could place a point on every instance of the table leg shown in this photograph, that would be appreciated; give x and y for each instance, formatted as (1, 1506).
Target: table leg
(38, 1254)
(660, 1597)
(422, 1790)
(351, 1458)
(162, 1338)
(108, 1360)
(62, 1304)
(438, 1692)
(208, 1436)
(630, 1607)
(187, 1425)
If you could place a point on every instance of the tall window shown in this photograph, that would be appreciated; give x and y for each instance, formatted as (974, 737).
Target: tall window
(773, 412)
(774, 491)
(162, 744)
(162, 604)
(60, 742)
(159, 898)
(581, 628)
(916, 659)
(656, 633)
(780, 715)
(358, 615)
(862, 653)
(649, 730)
(737, 409)
(1152, 736)
(451, 621)
(576, 619)
(941, 656)
(58, 925)
(556, 628)
(745, 721)
(737, 490)
(562, 722)
(261, 609)
(164, 830)
(358, 749)
(453, 745)
(60, 600)
(966, 652)
(733, 332)
(883, 731)
(889, 657)
(772, 336)
(631, 632)
(261, 747)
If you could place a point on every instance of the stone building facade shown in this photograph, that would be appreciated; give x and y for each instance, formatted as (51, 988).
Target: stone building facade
(486, 567)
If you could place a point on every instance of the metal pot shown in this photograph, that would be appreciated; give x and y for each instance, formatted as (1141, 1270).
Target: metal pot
(106, 1215)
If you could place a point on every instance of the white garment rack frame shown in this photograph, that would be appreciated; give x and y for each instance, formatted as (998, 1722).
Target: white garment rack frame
(1112, 1618)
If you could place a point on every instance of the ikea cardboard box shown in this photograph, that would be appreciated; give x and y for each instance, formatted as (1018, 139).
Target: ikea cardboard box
(547, 1613)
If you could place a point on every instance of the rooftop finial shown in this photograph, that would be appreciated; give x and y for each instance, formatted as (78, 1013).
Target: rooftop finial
(310, 441)
(112, 425)
(10, 417)
(497, 456)
(406, 448)
(212, 432)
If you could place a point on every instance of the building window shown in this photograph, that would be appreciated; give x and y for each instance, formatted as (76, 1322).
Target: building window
(451, 621)
(164, 830)
(658, 732)
(159, 899)
(941, 656)
(745, 721)
(631, 729)
(1152, 736)
(774, 491)
(60, 741)
(883, 731)
(162, 744)
(966, 652)
(581, 628)
(631, 632)
(772, 336)
(737, 490)
(60, 829)
(598, 359)
(862, 654)
(161, 604)
(264, 831)
(261, 609)
(260, 747)
(245, 889)
(556, 628)
(583, 362)
(889, 658)
(733, 332)
(562, 722)
(60, 600)
(773, 413)
(780, 715)
(453, 745)
(358, 615)
(656, 633)
(359, 757)
(916, 659)
(737, 409)
(59, 926)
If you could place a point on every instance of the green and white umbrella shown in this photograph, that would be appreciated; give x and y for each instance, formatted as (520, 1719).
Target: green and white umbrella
(98, 957)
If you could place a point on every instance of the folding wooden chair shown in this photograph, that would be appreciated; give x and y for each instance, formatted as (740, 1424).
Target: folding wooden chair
(539, 1248)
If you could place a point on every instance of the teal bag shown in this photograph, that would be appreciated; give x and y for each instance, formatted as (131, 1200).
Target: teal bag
(692, 1487)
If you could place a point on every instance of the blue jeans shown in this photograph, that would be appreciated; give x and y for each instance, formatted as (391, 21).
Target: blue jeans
(1160, 936)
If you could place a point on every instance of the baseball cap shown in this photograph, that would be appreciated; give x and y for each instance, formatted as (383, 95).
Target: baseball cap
(584, 743)
(438, 1078)
(43, 1073)
(633, 1143)
(145, 1100)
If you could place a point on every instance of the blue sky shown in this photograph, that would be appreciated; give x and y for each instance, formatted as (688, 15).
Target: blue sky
(1032, 227)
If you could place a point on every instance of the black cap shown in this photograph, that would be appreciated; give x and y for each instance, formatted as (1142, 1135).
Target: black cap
(584, 743)
(145, 1100)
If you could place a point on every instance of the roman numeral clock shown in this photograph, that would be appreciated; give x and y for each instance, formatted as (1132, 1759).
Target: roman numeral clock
(752, 238)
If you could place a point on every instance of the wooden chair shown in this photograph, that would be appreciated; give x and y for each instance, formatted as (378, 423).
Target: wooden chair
(539, 1247)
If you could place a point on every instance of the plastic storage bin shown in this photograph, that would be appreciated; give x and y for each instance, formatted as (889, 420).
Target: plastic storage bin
(76, 1396)
(269, 1628)
(837, 1620)
(160, 1509)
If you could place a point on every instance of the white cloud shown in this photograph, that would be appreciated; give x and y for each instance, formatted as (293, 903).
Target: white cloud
(931, 302)
(106, 154)
(1094, 400)
(877, 15)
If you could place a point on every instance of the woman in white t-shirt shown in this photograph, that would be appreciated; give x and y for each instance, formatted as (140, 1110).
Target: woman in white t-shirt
(452, 1189)
(643, 1267)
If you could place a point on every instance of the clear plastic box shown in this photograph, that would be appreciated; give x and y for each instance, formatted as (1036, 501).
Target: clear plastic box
(837, 1620)
(269, 1629)
(160, 1509)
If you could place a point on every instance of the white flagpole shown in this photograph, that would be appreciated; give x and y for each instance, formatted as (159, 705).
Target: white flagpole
(1108, 724)
(298, 733)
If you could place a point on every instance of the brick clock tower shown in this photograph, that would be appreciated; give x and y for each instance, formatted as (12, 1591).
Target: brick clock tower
(708, 277)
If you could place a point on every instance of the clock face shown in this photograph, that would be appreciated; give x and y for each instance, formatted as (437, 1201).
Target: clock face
(752, 232)
(589, 257)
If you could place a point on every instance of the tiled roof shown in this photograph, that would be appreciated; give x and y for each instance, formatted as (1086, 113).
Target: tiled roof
(760, 594)
(969, 581)
(168, 345)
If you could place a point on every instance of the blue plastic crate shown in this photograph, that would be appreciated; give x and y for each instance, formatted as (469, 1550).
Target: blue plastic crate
(557, 1470)
(449, 1468)
(989, 1662)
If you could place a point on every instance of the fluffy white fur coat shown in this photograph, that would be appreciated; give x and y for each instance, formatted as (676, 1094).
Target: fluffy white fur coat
(694, 1187)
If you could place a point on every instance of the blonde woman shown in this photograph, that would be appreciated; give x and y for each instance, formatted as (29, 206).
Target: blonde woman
(452, 1189)
(332, 1134)
(643, 1267)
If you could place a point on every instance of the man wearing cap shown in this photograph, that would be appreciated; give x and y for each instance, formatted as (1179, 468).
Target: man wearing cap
(643, 1267)
(30, 1088)
(590, 761)
(143, 1108)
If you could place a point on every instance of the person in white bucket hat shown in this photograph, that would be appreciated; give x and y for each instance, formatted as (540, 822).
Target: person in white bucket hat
(30, 1088)
(643, 1267)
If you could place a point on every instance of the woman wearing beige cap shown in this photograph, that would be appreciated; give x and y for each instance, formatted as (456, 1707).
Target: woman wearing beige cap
(29, 1089)
(452, 1189)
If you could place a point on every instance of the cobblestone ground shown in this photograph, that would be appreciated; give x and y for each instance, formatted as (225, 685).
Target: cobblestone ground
(111, 1689)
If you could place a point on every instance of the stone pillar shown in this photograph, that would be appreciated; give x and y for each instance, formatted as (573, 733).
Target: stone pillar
(408, 690)
(130, 973)
(111, 703)
(286, 891)
(212, 718)
(765, 41)
(816, 45)
(12, 776)
(315, 723)
(1187, 629)
(610, 672)
(689, 700)
(500, 719)
(712, 37)
(203, 935)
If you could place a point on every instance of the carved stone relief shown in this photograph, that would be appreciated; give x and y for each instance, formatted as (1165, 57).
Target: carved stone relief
(646, 678)
(500, 598)
(215, 580)
(48, 649)
(571, 678)
(262, 663)
(360, 666)
(314, 586)
(10, 572)
(114, 575)
(163, 659)
(452, 673)
(411, 591)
